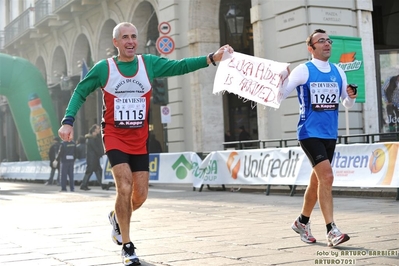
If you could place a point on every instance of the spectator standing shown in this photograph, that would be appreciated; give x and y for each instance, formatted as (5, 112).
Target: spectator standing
(94, 153)
(228, 138)
(81, 148)
(154, 146)
(66, 158)
(244, 135)
(54, 165)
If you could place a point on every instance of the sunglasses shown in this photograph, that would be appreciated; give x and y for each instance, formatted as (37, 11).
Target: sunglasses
(323, 41)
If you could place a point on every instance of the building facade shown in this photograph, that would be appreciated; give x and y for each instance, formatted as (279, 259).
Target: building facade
(60, 36)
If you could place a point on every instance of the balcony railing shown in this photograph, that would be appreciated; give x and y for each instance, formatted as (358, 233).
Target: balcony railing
(19, 25)
(43, 9)
(60, 3)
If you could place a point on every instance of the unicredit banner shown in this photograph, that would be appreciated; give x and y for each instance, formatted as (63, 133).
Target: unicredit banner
(355, 165)
(348, 54)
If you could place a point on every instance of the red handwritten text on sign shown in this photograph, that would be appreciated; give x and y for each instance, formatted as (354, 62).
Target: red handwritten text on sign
(253, 78)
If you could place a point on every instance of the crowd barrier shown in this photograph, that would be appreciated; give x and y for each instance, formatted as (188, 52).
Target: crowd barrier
(164, 168)
(37, 170)
(354, 165)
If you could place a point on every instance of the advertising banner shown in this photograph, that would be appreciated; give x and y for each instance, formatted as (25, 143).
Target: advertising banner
(38, 170)
(30, 103)
(347, 53)
(252, 167)
(366, 165)
(354, 165)
(165, 167)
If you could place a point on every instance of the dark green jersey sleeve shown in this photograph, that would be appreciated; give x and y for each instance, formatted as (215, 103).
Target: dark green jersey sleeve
(163, 67)
(156, 67)
(95, 78)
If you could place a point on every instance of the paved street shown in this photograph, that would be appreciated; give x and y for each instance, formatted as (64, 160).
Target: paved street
(178, 226)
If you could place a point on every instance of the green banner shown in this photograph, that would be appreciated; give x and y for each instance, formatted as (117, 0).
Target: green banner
(30, 104)
(348, 54)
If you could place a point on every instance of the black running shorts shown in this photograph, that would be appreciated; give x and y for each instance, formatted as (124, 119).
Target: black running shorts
(137, 163)
(318, 150)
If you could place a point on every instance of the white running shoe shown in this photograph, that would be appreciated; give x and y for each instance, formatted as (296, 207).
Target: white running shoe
(304, 231)
(335, 237)
(115, 233)
(129, 255)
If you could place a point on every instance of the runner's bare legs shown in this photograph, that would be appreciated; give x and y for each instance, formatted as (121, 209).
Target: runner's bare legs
(132, 191)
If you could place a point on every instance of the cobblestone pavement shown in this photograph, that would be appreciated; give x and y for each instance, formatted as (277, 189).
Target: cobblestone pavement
(178, 226)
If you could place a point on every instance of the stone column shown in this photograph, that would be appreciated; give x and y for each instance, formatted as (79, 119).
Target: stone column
(196, 112)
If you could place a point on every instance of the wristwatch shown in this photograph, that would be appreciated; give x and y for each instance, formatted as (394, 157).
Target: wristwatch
(211, 58)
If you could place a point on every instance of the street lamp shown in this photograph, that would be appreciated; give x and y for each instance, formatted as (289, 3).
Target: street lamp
(235, 21)
(66, 83)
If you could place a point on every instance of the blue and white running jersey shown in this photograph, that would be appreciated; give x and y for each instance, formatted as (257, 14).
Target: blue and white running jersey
(319, 100)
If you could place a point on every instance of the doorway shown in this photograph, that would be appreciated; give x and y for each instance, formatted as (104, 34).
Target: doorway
(236, 30)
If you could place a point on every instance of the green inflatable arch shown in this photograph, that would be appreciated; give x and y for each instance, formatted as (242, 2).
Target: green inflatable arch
(30, 104)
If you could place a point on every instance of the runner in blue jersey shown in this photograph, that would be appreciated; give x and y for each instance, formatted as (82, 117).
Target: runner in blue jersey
(320, 86)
